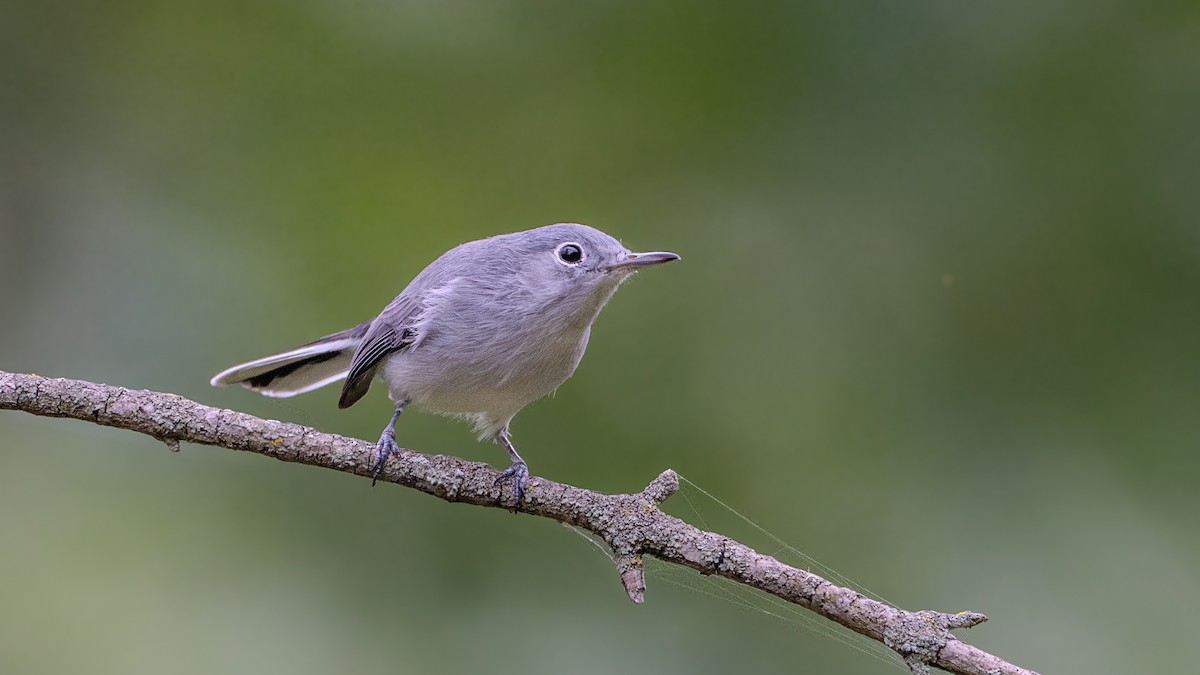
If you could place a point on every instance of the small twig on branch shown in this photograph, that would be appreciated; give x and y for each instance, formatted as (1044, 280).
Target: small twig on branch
(631, 524)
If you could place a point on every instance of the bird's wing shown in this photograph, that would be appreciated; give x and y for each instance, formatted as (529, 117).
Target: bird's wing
(390, 332)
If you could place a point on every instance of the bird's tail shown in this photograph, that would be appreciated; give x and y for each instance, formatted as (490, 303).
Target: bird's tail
(298, 370)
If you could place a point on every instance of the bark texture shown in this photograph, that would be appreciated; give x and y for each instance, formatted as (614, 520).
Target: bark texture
(631, 524)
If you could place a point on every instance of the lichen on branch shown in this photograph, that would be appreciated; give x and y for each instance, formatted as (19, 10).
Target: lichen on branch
(631, 524)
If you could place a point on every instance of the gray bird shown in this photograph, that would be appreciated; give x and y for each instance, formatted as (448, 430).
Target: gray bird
(482, 332)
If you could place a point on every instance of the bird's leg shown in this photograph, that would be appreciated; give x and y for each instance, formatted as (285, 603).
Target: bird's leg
(387, 443)
(518, 471)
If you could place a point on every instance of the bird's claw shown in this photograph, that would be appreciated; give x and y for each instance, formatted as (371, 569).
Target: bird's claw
(520, 478)
(384, 449)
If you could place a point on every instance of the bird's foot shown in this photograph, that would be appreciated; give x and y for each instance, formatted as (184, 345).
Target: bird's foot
(384, 449)
(520, 478)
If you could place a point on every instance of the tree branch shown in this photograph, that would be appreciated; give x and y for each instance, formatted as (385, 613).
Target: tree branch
(631, 524)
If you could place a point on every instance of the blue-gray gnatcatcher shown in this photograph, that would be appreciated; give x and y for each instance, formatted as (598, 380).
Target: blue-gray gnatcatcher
(483, 331)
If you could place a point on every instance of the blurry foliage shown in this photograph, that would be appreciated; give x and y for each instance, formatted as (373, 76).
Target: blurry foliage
(936, 323)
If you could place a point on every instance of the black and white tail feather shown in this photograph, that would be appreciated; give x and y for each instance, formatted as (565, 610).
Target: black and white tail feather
(296, 371)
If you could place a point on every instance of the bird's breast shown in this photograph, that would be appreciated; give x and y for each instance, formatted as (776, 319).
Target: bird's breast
(488, 366)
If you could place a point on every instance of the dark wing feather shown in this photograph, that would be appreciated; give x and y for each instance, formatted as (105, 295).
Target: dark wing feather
(389, 333)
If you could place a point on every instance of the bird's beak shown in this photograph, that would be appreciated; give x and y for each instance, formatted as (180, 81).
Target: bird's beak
(638, 260)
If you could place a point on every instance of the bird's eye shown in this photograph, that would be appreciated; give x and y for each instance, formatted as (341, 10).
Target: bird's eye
(570, 253)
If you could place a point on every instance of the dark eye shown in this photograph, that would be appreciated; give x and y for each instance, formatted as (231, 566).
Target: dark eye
(570, 253)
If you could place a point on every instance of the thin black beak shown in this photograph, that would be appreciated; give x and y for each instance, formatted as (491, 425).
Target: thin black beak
(638, 260)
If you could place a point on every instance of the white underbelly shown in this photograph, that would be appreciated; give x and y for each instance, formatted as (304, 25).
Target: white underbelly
(499, 387)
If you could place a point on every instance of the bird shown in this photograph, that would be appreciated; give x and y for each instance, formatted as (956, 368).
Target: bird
(483, 331)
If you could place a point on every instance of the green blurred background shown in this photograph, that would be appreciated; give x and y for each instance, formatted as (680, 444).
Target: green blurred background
(936, 323)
